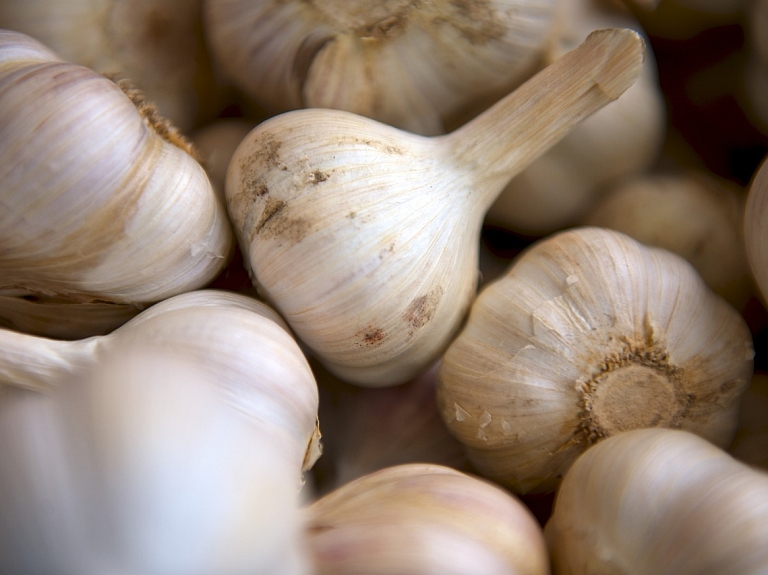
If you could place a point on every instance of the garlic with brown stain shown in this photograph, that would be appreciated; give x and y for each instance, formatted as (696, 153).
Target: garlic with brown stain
(661, 502)
(159, 46)
(240, 344)
(690, 212)
(622, 139)
(139, 464)
(365, 237)
(407, 64)
(102, 203)
(422, 519)
(589, 334)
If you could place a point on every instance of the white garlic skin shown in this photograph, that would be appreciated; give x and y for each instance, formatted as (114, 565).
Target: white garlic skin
(659, 502)
(97, 205)
(620, 140)
(139, 465)
(404, 63)
(159, 46)
(691, 213)
(590, 333)
(365, 237)
(423, 519)
(241, 344)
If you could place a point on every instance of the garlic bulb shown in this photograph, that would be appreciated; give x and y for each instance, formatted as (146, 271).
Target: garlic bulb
(750, 445)
(101, 201)
(691, 213)
(365, 430)
(408, 64)
(422, 519)
(237, 342)
(658, 502)
(623, 138)
(365, 237)
(137, 464)
(756, 227)
(159, 46)
(588, 334)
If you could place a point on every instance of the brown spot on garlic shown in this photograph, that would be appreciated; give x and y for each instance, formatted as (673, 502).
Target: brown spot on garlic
(475, 20)
(423, 308)
(372, 336)
(274, 223)
(317, 176)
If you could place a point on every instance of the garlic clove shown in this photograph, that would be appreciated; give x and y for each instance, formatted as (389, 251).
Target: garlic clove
(622, 139)
(588, 334)
(102, 203)
(158, 46)
(240, 343)
(421, 519)
(365, 430)
(659, 501)
(691, 213)
(138, 464)
(406, 64)
(364, 237)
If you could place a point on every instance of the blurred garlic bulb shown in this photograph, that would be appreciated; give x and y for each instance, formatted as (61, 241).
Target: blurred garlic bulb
(623, 138)
(588, 334)
(237, 342)
(422, 519)
(137, 464)
(365, 237)
(215, 144)
(365, 430)
(751, 442)
(691, 213)
(408, 64)
(158, 45)
(756, 67)
(659, 502)
(756, 227)
(101, 201)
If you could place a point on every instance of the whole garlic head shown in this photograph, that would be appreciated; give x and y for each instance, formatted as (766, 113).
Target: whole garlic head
(101, 201)
(659, 502)
(589, 334)
(408, 64)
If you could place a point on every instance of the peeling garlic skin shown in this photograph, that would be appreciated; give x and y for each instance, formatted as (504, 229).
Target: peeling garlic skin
(587, 335)
(408, 64)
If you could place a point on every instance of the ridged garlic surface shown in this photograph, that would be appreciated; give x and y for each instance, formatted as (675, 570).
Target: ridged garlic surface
(588, 334)
(239, 343)
(100, 201)
(623, 138)
(408, 64)
(365, 237)
(421, 519)
(659, 502)
(137, 464)
(689, 212)
(159, 46)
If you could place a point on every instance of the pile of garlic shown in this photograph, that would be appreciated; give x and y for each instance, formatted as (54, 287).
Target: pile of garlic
(229, 226)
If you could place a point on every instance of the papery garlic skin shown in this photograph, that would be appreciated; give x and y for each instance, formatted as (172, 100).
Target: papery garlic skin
(588, 334)
(691, 213)
(622, 139)
(364, 237)
(241, 345)
(139, 465)
(407, 64)
(421, 519)
(159, 46)
(99, 204)
(659, 502)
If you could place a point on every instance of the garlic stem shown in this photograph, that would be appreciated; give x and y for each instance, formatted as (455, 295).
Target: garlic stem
(33, 362)
(544, 109)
